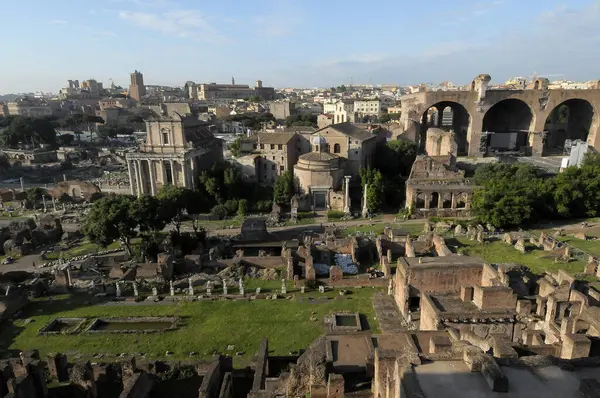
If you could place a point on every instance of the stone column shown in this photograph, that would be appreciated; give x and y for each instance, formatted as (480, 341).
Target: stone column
(137, 178)
(453, 205)
(152, 177)
(130, 171)
(173, 174)
(163, 170)
(347, 194)
(427, 201)
(140, 177)
(193, 172)
(184, 174)
(474, 132)
(365, 209)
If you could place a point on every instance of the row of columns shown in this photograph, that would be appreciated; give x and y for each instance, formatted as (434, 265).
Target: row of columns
(440, 204)
(136, 173)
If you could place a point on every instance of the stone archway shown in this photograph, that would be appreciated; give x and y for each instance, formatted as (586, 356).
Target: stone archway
(420, 201)
(434, 201)
(461, 200)
(447, 115)
(506, 126)
(568, 121)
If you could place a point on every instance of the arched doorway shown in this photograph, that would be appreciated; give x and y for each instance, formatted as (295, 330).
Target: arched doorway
(506, 127)
(447, 115)
(435, 200)
(571, 120)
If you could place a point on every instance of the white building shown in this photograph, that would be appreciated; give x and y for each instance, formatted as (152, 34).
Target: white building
(367, 107)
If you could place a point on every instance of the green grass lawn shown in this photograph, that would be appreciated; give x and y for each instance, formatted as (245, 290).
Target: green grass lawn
(207, 326)
(82, 249)
(589, 246)
(412, 228)
(499, 252)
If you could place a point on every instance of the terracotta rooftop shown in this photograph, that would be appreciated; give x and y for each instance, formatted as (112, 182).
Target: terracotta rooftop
(351, 130)
(271, 138)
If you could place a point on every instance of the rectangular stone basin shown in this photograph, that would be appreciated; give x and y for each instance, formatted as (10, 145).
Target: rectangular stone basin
(133, 325)
(345, 320)
(63, 326)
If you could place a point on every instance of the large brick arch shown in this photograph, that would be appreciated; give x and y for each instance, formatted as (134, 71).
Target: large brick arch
(541, 101)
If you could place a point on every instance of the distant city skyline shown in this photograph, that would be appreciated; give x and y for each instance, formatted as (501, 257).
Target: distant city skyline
(295, 44)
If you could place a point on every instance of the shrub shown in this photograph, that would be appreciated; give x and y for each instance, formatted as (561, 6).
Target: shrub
(311, 284)
(232, 206)
(305, 214)
(264, 206)
(335, 214)
(219, 211)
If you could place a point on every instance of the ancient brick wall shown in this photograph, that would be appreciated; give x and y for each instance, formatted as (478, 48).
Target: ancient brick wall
(428, 314)
(494, 297)
(444, 279)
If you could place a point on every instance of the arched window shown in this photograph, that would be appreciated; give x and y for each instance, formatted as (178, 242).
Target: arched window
(165, 136)
(336, 148)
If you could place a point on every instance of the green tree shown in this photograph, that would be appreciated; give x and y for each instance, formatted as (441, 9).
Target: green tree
(386, 117)
(511, 195)
(576, 191)
(301, 120)
(175, 202)
(112, 218)
(16, 130)
(235, 147)
(341, 88)
(374, 179)
(242, 208)
(395, 158)
(151, 214)
(197, 203)
(33, 195)
(284, 189)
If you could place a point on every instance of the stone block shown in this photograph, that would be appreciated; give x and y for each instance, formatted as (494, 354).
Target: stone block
(336, 273)
(335, 386)
(524, 307)
(439, 345)
(575, 346)
(59, 367)
(466, 293)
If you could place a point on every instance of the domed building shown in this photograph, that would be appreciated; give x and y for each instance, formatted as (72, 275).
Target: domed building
(320, 175)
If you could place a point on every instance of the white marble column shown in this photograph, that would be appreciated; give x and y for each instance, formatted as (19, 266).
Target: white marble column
(152, 177)
(130, 171)
(173, 173)
(184, 173)
(347, 194)
(193, 172)
(140, 177)
(137, 178)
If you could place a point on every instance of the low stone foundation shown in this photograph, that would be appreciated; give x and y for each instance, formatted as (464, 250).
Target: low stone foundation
(344, 322)
(96, 325)
(71, 326)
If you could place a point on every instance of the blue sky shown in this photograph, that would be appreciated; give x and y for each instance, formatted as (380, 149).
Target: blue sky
(301, 43)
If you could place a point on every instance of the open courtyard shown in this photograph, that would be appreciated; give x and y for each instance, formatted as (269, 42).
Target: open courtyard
(207, 327)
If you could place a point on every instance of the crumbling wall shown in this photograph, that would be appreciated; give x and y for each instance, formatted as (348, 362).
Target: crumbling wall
(311, 369)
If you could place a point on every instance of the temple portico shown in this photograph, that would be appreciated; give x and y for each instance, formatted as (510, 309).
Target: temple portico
(177, 148)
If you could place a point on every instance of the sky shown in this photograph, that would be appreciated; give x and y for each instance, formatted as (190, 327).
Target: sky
(294, 43)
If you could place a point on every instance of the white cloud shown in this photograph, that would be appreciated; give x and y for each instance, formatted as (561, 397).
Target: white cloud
(57, 22)
(187, 24)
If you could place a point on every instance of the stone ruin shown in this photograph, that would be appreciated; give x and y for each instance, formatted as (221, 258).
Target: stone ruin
(23, 236)
(125, 376)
